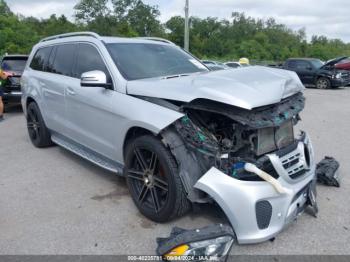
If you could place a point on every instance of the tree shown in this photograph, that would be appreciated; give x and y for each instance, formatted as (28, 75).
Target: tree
(4, 9)
(95, 16)
(210, 37)
(176, 28)
(142, 18)
(88, 10)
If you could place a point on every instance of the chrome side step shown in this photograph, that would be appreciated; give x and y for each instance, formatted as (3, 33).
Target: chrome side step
(87, 154)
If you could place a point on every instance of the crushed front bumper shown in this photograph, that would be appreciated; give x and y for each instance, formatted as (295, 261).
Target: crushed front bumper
(256, 211)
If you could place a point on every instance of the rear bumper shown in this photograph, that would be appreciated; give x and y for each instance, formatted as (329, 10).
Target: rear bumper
(13, 97)
(256, 211)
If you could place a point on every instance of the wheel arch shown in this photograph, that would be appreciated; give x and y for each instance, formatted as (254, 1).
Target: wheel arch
(132, 133)
(28, 100)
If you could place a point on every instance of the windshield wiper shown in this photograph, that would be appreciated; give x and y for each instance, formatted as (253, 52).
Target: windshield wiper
(174, 76)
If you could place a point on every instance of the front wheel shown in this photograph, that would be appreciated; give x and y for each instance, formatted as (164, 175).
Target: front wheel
(323, 83)
(153, 180)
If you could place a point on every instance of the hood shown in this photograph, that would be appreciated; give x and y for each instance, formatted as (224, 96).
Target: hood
(246, 87)
(334, 61)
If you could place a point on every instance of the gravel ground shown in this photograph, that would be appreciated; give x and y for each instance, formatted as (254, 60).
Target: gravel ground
(53, 202)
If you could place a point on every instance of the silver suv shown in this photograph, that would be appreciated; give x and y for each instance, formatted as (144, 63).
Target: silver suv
(179, 133)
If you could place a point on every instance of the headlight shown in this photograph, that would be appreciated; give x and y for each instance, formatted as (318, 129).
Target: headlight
(216, 247)
(209, 243)
(338, 76)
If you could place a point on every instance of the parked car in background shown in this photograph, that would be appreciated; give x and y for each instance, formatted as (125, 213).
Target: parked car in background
(313, 72)
(343, 64)
(179, 133)
(214, 65)
(12, 66)
(233, 64)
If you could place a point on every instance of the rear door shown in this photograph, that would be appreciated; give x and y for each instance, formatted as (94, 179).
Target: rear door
(57, 78)
(305, 71)
(92, 121)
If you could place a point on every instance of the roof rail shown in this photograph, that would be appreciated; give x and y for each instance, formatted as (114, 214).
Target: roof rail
(92, 34)
(156, 39)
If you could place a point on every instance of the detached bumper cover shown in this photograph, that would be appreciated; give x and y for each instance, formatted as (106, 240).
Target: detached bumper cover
(256, 211)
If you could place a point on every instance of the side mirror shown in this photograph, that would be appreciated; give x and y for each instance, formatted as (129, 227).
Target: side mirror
(94, 79)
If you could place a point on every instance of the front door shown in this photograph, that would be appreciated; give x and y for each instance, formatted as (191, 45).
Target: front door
(91, 116)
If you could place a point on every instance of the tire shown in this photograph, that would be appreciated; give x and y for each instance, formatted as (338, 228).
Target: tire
(153, 180)
(323, 83)
(37, 130)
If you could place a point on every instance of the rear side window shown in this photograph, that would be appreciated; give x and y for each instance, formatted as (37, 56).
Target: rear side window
(303, 65)
(64, 59)
(40, 59)
(292, 64)
(89, 59)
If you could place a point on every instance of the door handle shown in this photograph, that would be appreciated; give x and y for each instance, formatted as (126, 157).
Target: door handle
(70, 91)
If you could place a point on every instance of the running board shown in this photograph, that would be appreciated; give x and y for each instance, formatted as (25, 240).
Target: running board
(87, 154)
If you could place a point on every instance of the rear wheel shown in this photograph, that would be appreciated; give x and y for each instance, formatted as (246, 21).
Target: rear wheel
(153, 180)
(323, 83)
(37, 130)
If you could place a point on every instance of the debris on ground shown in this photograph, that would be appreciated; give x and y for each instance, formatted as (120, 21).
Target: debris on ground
(327, 172)
(210, 241)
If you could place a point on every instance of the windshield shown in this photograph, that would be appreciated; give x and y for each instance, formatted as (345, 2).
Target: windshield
(13, 64)
(316, 63)
(143, 60)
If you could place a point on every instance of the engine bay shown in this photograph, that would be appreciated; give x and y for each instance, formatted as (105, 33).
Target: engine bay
(226, 139)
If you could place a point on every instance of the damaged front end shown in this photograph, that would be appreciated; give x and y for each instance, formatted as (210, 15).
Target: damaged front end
(248, 161)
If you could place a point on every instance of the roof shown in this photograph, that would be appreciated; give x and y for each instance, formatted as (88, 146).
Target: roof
(76, 36)
(303, 58)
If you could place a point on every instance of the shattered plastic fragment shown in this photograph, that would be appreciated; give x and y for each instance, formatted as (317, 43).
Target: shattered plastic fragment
(327, 172)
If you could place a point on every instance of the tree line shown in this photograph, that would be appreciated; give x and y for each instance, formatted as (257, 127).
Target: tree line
(222, 39)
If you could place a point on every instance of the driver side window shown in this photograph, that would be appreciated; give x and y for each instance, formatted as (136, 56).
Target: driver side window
(89, 59)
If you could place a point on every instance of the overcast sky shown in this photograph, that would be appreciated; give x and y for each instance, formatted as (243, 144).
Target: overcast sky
(321, 17)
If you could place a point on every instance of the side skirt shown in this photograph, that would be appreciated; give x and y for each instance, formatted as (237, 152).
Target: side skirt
(87, 154)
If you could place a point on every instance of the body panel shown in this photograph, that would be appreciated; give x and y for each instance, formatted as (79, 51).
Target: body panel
(234, 87)
(238, 198)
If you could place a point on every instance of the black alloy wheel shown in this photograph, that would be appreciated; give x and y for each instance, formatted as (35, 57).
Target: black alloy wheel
(153, 180)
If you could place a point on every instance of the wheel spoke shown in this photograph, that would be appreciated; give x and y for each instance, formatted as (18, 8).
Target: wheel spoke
(36, 130)
(155, 199)
(138, 175)
(160, 184)
(153, 162)
(143, 193)
(140, 159)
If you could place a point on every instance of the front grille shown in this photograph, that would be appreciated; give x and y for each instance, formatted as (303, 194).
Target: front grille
(345, 75)
(293, 165)
(263, 210)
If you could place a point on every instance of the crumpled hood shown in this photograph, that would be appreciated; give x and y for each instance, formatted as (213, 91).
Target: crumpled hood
(247, 87)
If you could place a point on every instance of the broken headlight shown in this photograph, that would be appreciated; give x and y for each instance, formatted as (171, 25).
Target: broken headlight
(217, 247)
(212, 242)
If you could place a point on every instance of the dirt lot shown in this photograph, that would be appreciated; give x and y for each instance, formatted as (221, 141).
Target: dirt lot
(53, 202)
